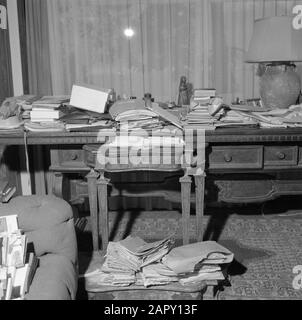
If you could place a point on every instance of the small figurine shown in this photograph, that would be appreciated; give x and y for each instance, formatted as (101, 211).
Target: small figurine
(183, 96)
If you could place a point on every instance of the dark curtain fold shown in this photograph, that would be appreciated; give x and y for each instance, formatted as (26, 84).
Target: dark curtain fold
(39, 71)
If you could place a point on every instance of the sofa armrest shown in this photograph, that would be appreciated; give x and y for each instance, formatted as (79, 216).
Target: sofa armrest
(36, 212)
(48, 223)
(55, 279)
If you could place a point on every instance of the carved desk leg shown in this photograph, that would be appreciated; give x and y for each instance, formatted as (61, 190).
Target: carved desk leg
(102, 186)
(199, 194)
(185, 182)
(93, 203)
(2, 170)
(57, 184)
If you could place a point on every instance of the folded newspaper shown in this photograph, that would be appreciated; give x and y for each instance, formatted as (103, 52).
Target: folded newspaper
(134, 261)
(190, 257)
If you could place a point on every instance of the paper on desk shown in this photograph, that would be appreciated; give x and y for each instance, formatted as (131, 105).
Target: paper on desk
(89, 98)
(167, 115)
(96, 124)
(185, 259)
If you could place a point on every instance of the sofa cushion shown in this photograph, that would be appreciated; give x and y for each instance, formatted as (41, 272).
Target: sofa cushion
(55, 279)
(47, 222)
(35, 212)
(59, 239)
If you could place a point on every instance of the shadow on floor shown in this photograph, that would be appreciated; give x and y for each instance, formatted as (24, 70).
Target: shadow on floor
(217, 218)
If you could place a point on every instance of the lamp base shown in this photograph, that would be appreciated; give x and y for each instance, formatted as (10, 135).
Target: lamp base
(280, 86)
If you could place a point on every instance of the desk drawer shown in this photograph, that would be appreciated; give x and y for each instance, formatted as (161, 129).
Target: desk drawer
(280, 156)
(233, 157)
(67, 159)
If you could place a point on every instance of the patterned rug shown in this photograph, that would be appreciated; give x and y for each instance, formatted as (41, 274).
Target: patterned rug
(266, 248)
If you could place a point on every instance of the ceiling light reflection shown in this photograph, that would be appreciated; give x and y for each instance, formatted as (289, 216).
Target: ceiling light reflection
(129, 32)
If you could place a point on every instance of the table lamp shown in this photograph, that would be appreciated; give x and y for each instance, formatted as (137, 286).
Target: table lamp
(275, 46)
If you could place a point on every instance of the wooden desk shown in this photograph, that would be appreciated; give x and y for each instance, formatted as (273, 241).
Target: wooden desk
(242, 165)
(234, 157)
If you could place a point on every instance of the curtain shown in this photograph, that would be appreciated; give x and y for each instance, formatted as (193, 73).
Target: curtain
(37, 33)
(83, 41)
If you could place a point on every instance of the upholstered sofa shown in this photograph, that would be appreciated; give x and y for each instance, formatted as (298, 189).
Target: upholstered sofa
(48, 223)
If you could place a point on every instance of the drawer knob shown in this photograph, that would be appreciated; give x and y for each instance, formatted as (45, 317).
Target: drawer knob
(228, 158)
(74, 157)
(281, 155)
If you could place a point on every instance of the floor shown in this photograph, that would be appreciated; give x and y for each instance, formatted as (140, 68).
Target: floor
(266, 240)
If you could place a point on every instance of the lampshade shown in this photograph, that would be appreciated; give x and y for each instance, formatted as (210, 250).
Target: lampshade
(275, 39)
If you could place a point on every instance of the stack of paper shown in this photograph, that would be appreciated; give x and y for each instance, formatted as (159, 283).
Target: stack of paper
(133, 253)
(205, 273)
(125, 259)
(47, 109)
(133, 261)
(290, 117)
(200, 114)
(133, 114)
(157, 274)
(236, 118)
(198, 261)
(276, 118)
(204, 95)
(120, 279)
(50, 126)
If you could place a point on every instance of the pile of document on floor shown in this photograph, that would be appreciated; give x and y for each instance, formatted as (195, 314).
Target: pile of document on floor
(133, 261)
(199, 261)
(124, 259)
(17, 265)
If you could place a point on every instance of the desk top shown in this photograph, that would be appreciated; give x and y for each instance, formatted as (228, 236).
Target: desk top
(230, 135)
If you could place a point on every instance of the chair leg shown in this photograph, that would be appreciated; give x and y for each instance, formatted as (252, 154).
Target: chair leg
(199, 194)
(185, 182)
(93, 204)
(102, 185)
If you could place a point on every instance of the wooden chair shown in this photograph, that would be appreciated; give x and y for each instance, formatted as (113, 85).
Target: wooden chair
(98, 193)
